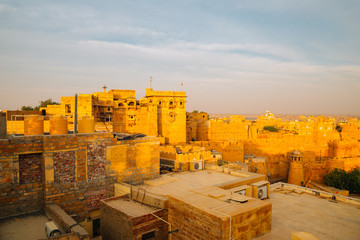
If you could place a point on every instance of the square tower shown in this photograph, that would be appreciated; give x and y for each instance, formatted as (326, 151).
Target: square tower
(171, 110)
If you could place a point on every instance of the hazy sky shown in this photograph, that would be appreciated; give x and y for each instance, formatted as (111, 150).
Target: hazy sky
(231, 56)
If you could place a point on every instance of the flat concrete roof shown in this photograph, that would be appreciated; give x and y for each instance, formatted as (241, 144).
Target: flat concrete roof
(131, 208)
(176, 183)
(219, 202)
(201, 190)
(293, 211)
(27, 227)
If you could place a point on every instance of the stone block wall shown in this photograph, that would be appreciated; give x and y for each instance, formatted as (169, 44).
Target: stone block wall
(136, 160)
(249, 224)
(194, 223)
(231, 151)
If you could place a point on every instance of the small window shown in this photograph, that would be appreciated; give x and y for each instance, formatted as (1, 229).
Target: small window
(180, 103)
(149, 235)
(68, 108)
(131, 103)
(171, 103)
(159, 103)
(108, 109)
(121, 104)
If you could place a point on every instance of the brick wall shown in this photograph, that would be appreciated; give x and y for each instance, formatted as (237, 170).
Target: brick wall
(65, 222)
(64, 167)
(148, 223)
(18, 199)
(20, 192)
(35, 170)
(93, 198)
(30, 168)
(119, 225)
(69, 170)
(96, 160)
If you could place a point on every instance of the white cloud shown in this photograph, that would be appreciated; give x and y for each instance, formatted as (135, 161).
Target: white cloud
(6, 8)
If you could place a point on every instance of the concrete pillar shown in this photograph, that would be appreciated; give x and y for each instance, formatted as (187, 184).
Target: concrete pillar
(3, 125)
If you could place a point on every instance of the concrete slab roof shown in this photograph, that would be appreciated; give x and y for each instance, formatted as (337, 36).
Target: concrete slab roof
(175, 183)
(201, 190)
(294, 211)
(129, 207)
(219, 202)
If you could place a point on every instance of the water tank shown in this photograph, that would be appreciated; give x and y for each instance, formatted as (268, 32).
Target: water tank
(58, 125)
(119, 121)
(86, 125)
(33, 125)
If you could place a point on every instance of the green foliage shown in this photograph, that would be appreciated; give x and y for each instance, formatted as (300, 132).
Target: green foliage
(271, 129)
(343, 180)
(45, 103)
(41, 104)
(195, 111)
(27, 108)
(221, 162)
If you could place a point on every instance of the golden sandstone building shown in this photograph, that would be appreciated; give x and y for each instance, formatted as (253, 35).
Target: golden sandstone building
(109, 170)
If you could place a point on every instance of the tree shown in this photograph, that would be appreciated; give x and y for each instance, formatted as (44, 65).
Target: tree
(271, 129)
(342, 180)
(45, 103)
(27, 108)
(41, 104)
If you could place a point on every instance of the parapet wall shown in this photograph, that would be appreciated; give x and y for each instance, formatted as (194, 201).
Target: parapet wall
(231, 151)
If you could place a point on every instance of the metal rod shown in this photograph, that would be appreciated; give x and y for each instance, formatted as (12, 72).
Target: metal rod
(75, 117)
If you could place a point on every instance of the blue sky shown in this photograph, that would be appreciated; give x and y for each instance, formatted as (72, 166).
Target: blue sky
(236, 57)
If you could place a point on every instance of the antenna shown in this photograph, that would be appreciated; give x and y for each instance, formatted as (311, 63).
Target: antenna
(104, 87)
(151, 78)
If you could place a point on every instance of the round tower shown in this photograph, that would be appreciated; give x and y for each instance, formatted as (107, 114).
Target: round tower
(296, 170)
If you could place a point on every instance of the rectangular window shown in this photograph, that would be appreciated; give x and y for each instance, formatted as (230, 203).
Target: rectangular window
(67, 108)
